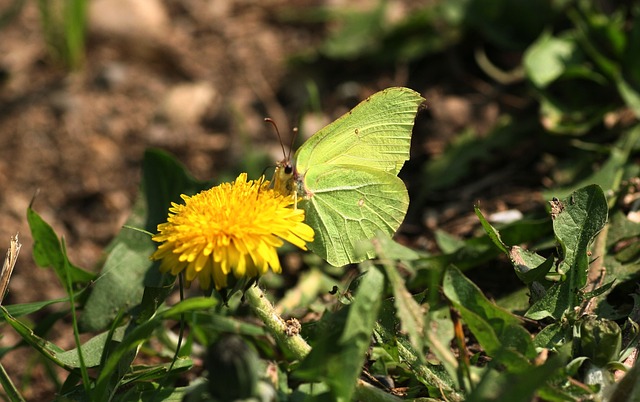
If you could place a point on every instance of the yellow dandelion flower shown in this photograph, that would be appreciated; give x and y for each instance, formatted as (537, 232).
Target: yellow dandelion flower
(231, 228)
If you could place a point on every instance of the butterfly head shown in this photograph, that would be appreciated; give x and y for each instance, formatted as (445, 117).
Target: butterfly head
(283, 177)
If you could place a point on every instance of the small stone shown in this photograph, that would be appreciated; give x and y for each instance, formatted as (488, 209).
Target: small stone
(141, 19)
(187, 103)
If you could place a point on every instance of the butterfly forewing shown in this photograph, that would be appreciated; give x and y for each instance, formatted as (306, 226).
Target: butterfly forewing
(376, 133)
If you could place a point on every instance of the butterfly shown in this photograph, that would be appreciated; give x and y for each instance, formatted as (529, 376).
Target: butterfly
(345, 176)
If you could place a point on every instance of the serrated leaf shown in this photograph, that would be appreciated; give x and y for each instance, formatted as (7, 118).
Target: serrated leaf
(530, 267)
(497, 330)
(599, 291)
(583, 215)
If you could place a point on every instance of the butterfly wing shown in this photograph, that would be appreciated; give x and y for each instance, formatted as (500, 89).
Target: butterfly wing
(347, 204)
(376, 134)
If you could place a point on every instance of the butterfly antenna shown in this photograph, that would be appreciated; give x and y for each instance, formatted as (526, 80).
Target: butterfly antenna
(293, 140)
(275, 126)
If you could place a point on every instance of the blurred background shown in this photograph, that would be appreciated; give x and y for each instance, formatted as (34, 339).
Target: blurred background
(523, 97)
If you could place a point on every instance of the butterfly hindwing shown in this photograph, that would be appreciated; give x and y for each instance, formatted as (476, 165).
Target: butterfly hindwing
(347, 205)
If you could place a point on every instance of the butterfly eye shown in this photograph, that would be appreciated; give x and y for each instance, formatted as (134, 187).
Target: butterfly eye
(288, 169)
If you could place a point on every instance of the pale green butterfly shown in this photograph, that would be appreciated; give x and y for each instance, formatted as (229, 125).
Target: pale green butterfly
(345, 175)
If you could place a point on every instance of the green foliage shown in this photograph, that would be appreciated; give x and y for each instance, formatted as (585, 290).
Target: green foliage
(337, 356)
(64, 24)
(411, 325)
(378, 306)
(48, 251)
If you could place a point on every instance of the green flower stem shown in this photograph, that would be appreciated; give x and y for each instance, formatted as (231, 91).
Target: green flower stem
(298, 347)
(263, 308)
(367, 392)
(11, 391)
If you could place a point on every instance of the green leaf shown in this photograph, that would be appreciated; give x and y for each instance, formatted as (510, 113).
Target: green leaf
(121, 283)
(216, 323)
(164, 180)
(478, 250)
(358, 33)
(157, 372)
(432, 375)
(18, 310)
(598, 291)
(337, 357)
(468, 148)
(128, 269)
(581, 218)
(493, 234)
(410, 313)
(386, 247)
(549, 57)
(44, 347)
(553, 335)
(10, 390)
(92, 350)
(139, 334)
(600, 340)
(519, 387)
(609, 175)
(621, 228)
(447, 243)
(48, 252)
(530, 267)
(497, 330)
